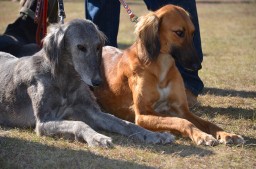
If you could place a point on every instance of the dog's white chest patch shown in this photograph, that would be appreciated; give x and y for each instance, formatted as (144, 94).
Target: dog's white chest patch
(166, 63)
(163, 73)
(163, 103)
(164, 92)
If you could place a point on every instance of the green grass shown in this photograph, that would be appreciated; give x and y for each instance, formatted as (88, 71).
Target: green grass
(229, 100)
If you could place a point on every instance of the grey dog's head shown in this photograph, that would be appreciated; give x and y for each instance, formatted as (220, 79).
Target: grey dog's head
(79, 43)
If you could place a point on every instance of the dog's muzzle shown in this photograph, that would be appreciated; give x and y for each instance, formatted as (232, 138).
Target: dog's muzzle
(194, 67)
(96, 80)
(187, 58)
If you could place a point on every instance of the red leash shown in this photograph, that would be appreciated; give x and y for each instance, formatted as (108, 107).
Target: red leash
(41, 20)
(45, 9)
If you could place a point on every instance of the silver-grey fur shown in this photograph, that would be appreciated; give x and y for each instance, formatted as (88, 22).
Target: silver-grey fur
(49, 90)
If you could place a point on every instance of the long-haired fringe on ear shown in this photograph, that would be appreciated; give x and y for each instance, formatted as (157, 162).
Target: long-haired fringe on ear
(147, 31)
(54, 44)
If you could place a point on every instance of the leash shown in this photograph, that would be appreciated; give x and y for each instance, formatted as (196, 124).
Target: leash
(62, 14)
(41, 18)
(133, 17)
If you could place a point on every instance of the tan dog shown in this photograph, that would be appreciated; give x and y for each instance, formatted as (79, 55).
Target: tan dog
(143, 84)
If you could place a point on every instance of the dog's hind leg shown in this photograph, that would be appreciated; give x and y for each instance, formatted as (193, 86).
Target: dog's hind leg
(111, 123)
(77, 128)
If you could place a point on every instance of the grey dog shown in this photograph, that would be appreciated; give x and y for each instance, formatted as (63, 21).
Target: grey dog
(50, 90)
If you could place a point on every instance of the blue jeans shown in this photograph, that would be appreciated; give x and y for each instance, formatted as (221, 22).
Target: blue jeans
(106, 14)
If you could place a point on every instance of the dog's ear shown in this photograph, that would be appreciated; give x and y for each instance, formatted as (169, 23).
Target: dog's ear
(147, 31)
(102, 36)
(54, 44)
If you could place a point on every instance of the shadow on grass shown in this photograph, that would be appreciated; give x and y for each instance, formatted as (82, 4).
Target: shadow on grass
(226, 92)
(250, 142)
(16, 153)
(231, 112)
(177, 149)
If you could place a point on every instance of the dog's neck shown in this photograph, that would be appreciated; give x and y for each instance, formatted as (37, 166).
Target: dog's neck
(160, 67)
(62, 68)
(140, 52)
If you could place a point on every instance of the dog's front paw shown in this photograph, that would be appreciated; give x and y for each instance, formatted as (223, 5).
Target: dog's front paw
(159, 138)
(99, 140)
(205, 139)
(228, 138)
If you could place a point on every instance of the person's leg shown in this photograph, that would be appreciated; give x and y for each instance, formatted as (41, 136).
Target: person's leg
(105, 14)
(191, 79)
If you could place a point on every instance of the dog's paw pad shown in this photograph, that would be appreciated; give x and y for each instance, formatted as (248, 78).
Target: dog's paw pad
(228, 139)
(159, 138)
(100, 140)
(167, 138)
(238, 140)
(207, 140)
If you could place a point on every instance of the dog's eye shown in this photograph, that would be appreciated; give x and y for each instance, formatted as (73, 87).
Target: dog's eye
(81, 47)
(179, 33)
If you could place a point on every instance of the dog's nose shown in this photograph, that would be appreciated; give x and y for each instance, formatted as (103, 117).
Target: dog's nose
(96, 82)
(197, 66)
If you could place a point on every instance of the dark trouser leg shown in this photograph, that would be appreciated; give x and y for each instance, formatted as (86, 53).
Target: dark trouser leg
(105, 14)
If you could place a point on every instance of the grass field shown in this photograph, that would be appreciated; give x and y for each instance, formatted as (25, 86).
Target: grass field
(228, 32)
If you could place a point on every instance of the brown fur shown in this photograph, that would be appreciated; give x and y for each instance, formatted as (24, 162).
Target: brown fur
(143, 84)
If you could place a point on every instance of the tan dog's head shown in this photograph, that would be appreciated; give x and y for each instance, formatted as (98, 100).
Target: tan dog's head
(169, 30)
